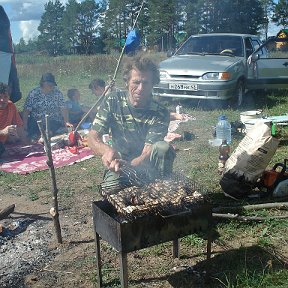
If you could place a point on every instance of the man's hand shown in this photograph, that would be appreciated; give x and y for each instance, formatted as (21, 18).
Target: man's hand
(109, 157)
(10, 130)
(117, 164)
(69, 125)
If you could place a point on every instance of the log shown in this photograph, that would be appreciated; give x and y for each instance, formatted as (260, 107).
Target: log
(7, 211)
(54, 189)
(278, 205)
(246, 218)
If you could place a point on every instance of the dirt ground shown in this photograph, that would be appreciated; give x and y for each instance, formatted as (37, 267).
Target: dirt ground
(31, 256)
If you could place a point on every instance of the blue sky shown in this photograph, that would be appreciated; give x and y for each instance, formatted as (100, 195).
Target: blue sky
(25, 17)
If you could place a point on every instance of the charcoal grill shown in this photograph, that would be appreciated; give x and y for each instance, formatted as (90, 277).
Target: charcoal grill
(127, 234)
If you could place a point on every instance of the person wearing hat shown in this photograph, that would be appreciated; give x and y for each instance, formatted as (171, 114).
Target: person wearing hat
(46, 99)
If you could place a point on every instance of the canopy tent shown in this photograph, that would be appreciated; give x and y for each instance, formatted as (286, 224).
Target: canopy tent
(8, 72)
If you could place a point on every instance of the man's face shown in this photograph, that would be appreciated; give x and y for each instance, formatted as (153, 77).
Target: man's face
(47, 87)
(140, 87)
(98, 90)
(4, 97)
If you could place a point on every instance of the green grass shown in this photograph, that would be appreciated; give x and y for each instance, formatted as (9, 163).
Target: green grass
(235, 267)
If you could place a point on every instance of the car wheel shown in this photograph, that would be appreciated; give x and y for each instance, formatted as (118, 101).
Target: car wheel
(238, 98)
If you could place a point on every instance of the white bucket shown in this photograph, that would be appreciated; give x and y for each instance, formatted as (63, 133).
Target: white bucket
(249, 115)
(249, 124)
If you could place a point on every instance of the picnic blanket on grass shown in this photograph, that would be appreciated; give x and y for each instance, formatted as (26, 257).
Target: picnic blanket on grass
(27, 159)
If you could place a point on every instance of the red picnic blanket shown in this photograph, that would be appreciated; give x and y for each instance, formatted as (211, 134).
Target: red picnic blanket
(27, 159)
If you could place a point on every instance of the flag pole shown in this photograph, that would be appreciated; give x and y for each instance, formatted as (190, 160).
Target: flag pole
(112, 82)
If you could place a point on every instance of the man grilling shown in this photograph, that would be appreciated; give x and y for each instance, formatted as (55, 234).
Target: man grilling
(138, 125)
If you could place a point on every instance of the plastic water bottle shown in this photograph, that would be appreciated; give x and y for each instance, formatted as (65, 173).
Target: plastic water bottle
(178, 109)
(223, 129)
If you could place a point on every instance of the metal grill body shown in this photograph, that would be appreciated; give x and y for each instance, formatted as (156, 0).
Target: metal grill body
(146, 231)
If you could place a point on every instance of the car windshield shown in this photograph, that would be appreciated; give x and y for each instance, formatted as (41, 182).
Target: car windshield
(216, 44)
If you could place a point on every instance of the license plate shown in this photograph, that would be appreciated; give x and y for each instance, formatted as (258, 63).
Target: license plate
(191, 87)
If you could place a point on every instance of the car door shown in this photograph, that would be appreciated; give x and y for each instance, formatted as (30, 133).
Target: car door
(269, 70)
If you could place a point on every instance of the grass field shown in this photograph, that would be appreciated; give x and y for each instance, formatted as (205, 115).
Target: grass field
(247, 254)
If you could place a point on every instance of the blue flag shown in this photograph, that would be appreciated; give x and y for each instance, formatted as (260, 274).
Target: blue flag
(132, 41)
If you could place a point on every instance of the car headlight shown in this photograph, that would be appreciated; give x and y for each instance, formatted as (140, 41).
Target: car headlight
(163, 75)
(216, 76)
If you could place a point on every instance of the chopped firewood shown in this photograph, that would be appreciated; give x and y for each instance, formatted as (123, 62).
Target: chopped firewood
(7, 211)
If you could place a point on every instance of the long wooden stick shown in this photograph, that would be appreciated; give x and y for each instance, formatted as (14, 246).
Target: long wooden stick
(246, 218)
(277, 205)
(112, 82)
(54, 211)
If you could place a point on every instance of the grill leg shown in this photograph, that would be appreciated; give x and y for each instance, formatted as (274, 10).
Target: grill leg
(209, 241)
(98, 260)
(123, 270)
(176, 248)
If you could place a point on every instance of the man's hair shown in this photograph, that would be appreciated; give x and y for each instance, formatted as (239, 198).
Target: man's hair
(143, 64)
(97, 83)
(71, 92)
(4, 88)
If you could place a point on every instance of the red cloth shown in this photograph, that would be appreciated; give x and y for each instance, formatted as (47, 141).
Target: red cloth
(9, 116)
(27, 159)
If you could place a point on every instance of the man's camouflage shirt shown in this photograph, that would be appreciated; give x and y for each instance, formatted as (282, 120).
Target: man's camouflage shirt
(131, 127)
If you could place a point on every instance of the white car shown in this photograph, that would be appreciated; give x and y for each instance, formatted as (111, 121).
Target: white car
(221, 66)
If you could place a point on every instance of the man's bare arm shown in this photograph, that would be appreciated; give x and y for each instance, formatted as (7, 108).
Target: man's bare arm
(107, 153)
(145, 155)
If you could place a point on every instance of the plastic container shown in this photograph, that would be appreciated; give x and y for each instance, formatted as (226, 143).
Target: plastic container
(250, 115)
(223, 129)
(178, 109)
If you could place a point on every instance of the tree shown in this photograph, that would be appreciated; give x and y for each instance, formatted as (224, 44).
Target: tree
(87, 25)
(240, 16)
(70, 23)
(21, 46)
(50, 28)
(268, 6)
(162, 20)
(120, 17)
(280, 16)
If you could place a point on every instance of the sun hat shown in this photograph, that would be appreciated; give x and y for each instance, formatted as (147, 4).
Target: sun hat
(48, 77)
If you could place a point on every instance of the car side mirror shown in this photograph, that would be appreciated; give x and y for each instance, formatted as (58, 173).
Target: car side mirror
(170, 53)
(255, 57)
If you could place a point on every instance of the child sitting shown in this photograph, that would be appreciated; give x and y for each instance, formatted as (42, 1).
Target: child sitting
(75, 110)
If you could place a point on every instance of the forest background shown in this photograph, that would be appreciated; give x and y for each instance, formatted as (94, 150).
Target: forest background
(93, 27)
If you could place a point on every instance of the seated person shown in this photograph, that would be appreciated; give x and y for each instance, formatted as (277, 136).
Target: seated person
(11, 124)
(46, 99)
(97, 86)
(75, 110)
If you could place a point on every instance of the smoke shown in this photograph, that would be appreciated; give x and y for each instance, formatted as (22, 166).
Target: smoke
(29, 29)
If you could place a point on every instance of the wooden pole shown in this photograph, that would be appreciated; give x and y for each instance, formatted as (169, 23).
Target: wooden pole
(54, 210)
(246, 218)
(112, 82)
(277, 205)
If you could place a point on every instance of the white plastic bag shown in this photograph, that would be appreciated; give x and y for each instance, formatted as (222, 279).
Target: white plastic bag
(253, 154)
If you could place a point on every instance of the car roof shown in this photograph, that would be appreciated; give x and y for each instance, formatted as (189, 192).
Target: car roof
(225, 34)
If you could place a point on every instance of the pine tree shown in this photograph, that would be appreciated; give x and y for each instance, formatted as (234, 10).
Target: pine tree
(280, 16)
(87, 25)
(70, 23)
(50, 28)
